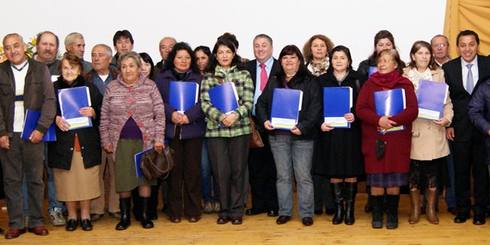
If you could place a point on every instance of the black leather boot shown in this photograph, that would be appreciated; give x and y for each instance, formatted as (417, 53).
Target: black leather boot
(145, 218)
(338, 216)
(392, 211)
(350, 200)
(377, 211)
(125, 221)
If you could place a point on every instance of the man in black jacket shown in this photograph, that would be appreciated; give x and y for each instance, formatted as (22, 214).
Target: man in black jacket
(24, 84)
(262, 170)
(463, 75)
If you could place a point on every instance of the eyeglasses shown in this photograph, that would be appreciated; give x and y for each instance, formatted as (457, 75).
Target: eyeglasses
(440, 45)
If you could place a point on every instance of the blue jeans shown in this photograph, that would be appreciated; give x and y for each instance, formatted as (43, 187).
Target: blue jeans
(209, 188)
(293, 156)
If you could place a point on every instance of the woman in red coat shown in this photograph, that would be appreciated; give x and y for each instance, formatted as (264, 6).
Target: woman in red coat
(387, 170)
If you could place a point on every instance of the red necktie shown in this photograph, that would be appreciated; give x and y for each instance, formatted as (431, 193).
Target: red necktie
(263, 76)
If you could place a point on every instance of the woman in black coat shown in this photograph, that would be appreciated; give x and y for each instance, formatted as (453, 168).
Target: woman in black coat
(340, 148)
(75, 155)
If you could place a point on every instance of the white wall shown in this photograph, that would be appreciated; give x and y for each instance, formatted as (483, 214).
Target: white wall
(349, 22)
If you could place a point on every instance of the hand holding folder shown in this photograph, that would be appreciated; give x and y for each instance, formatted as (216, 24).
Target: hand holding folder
(337, 102)
(224, 97)
(389, 103)
(286, 105)
(30, 124)
(71, 101)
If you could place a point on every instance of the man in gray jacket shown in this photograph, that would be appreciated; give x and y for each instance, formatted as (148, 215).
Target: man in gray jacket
(24, 84)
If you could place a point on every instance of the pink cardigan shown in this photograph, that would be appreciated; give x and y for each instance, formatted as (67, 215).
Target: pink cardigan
(142, 101)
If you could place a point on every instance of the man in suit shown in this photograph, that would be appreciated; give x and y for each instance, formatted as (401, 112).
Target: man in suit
(262, 170)
(24, 84)
(463, 75)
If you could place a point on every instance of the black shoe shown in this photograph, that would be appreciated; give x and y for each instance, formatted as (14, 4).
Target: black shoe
(283, 219)
(479, 218)
(125, 220)
(461, 217)
(338, 216)
(222, 220)
(253, 211)
(194, 219)
(86, 225)
(71, 224)
(307, 221)
(272, 213)
(236, 221)
(175, 219)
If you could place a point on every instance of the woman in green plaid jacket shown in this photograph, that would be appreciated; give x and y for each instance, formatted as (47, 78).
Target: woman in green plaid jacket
(228, 133)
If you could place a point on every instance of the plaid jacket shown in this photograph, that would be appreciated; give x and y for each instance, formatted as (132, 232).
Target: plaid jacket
(245, 90)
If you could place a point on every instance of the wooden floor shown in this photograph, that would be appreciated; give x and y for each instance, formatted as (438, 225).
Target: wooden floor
(263, 230)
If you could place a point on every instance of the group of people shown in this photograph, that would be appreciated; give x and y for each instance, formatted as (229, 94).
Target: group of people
(91, 170)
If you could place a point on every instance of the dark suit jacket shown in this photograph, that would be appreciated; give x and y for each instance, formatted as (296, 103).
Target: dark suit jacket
(38, 95)
(460, 98)
(251, 67)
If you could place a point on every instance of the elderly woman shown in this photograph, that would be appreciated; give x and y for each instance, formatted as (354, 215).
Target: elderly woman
(429, 143)
(293, 149)
(228, 133)
(386, 155)
(75, 155)
(185, 130)
(132, 119)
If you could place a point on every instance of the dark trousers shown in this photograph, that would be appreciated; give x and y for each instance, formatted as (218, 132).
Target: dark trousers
(322, 193)
(229, 159)
(470, 155)
(185, 178)
(23, 160)
(262, 177)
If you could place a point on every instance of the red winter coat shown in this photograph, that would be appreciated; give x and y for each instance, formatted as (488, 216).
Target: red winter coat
(396, 158)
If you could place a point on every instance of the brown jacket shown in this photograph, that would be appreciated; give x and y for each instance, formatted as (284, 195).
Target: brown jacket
(429, 139)
(38, 95)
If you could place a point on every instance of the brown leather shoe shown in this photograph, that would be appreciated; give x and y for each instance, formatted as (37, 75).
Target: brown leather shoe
(39, 230)
(14, 233)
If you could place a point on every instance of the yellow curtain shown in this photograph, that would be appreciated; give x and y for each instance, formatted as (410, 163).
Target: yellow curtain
(468, 14)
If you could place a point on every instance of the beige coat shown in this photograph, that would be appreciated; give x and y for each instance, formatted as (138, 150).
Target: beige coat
(429, 139)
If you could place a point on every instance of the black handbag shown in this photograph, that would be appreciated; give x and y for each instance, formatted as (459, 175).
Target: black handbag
(156, 164)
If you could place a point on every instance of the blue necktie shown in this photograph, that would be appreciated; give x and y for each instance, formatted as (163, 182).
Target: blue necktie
(469, 79)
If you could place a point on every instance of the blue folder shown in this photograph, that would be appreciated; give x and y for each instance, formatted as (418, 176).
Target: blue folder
(431, 97)
(390, 103)
(372, 70)
(71, 100)
(183, 95)
(30, 124)
(137, 161)
(337, 101)
(224, 97)
(286, 104)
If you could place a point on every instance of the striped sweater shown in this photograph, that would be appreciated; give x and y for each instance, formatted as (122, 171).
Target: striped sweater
(142, 102)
